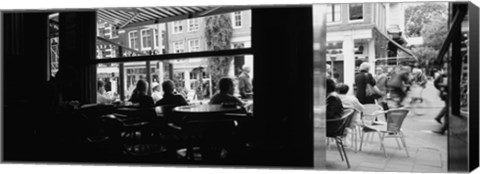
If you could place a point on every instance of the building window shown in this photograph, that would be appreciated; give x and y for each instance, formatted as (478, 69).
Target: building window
(155, 31)
(147, 39)
(333, 13)
(237, 19)
(178, 47)
(177, 27)
(194, 45)
(355, 12)
(133, 39)
(192, 25)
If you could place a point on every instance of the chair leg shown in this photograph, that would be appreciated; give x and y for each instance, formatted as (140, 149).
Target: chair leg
(404, 143)
(344, 153)
(382, 146)
(362, 134)
(398, 144)
(338, 147)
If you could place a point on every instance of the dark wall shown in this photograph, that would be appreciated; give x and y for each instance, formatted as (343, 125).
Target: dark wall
(24, 70)
(282, 39)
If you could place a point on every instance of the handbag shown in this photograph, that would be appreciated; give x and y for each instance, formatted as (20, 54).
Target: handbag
(372, 91)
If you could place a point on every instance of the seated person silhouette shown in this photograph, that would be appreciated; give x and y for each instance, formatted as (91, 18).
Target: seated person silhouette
(140, 95)
(170, 97)
(225, 96)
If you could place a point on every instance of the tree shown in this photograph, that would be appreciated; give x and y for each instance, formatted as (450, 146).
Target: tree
(435, 32)
(218, 34)
(417, 17)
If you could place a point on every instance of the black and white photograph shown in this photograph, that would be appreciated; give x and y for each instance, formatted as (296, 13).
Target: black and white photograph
(319, 86)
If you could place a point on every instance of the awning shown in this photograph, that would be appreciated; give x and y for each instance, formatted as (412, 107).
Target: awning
(129, 17)
(398, 45)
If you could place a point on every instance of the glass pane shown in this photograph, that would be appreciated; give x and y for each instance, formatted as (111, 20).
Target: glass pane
(54, 43)
(108, 83)
(196, 78)
(356, 11)
(188, 35)
(133, 72)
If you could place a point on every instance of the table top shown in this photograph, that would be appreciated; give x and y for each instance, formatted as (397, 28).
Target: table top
(206, 108)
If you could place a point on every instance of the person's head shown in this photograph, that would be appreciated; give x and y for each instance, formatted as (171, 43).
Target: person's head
(342, 88)
(100, 87)
(168, 86)
(379, 70)
(364, 66)
(330, 86)
(246, 69)
(226, 85)
(142, 86)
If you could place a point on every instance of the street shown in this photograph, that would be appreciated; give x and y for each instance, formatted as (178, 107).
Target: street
(428, 151)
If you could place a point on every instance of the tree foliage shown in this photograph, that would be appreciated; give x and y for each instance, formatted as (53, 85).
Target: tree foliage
(417, 17)
(218, 34)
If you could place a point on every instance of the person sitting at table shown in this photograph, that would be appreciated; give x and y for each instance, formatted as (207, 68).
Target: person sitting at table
(102, 96)
(170, 97)
(334, 103)
(225, 96)
(350, 101)
(140, 95)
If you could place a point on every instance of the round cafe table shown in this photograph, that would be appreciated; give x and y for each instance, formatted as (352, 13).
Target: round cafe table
(206, 109)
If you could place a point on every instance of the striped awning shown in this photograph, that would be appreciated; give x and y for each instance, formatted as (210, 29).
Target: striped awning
(128, 17)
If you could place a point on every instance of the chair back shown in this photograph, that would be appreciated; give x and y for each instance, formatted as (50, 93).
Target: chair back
(336, 127)
(395, 119)
(368, 115)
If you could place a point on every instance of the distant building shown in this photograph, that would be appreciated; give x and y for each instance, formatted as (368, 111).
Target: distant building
(356, 33)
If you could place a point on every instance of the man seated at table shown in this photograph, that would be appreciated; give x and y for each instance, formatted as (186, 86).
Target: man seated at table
(170, 97)
(225, 96)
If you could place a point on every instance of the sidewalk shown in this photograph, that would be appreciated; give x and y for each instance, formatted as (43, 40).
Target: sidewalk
(428, 151)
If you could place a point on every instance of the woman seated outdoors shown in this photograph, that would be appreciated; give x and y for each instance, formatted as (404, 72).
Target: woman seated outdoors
(350, 101)
(225, 96)
(140, 95)
(334, 103)
(170, 97)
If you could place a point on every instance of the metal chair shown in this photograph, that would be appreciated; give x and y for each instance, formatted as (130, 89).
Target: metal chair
(392, 129)
(336, 129)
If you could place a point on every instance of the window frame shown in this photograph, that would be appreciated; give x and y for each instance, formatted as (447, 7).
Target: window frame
(130, 39)
(356, 20)
(234, 19)
(175, 48)
(340, 10)
(190, 45)
(179, 26)
(189, 22)
(143, 47)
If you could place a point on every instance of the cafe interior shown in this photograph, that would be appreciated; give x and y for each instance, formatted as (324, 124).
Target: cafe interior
(277, 130)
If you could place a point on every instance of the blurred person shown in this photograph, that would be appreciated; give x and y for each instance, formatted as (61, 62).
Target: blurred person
(170, 97)
(398, 85)
(225, 95)
(361, 80)
(245, 87)
(156, 93)
(102, 96)
(419, 82)
(442, 86)
(140, 95)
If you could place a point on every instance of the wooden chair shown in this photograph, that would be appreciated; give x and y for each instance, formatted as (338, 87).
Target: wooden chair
(392, 129)
(336, 130)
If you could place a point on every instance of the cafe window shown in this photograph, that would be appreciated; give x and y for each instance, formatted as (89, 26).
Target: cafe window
(194, 45)
(192, 25)
(178, 47)
(333, 13)
(177, 27)
(355, 12)
(237, 19)
(133, 39)
(147, 39)
(194, 75)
